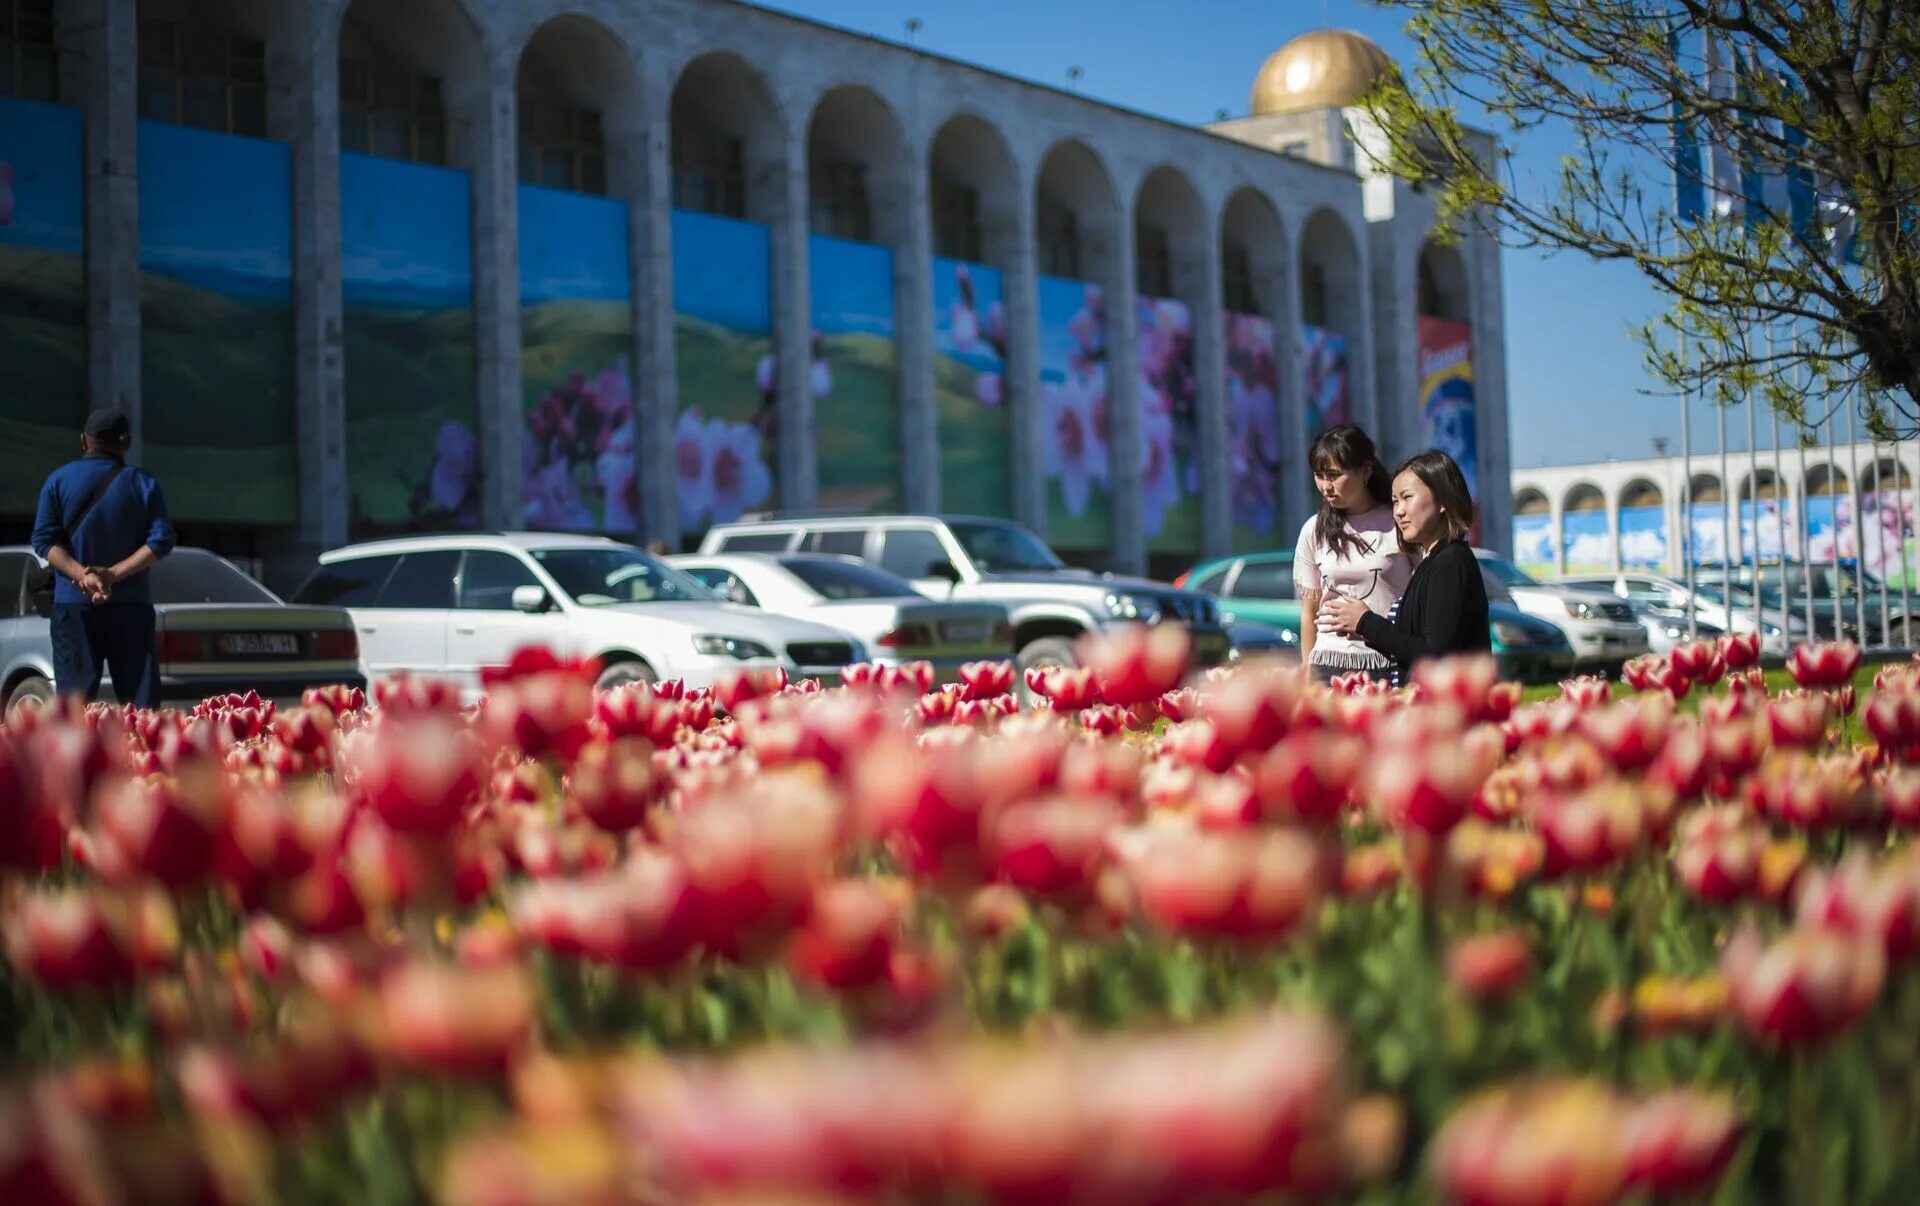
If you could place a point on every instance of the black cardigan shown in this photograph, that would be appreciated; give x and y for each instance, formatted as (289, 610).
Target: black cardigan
(1443, 611)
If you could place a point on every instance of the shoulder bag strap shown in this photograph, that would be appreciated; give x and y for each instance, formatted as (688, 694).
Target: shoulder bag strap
(99, 492)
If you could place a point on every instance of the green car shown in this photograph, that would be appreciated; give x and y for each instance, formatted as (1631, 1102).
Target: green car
(1259, 587)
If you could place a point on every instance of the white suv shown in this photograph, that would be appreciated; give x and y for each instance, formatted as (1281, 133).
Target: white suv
(1601, 627)
(445, 606)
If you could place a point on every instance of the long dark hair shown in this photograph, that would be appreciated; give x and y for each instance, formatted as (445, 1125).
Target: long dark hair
(1340, 448)
(1442, 476)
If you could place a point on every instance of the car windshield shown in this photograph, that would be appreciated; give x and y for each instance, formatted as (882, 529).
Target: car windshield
(1004, 548)
(832, 578)
(1506, 572)
(597, 577)
(194, 576)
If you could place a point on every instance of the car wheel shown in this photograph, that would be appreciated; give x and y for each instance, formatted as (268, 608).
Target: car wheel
(30, 692)
(1046, 651)
(625, 673)
(1901, 629)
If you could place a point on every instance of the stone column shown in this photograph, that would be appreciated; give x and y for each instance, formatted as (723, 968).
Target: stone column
(1490, 418)
(496, 294)
(112, 222)
(1386, 403)
(1294, 487)
(655, 394)
(793, 327)
(319, 370)
(1021, 286)
(1210, 372)
(913, 316)
(1129, 552)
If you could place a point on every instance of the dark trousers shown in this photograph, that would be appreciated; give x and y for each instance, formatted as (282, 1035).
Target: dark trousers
(116, 637)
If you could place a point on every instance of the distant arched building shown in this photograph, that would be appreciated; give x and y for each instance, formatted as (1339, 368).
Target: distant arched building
(395, 265)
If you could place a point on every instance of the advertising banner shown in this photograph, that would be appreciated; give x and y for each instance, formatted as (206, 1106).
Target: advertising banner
(1073, 400)
(1643, 538)
(728, 427)
(969, 378)
(43, 296)
(1253, 433)
(216, 316)
(1169, 426)
(1586, 543)
(1325, 355)
(856, 375)
(1533, 543)
(413, 417)
(580, 456)
(1445, 351)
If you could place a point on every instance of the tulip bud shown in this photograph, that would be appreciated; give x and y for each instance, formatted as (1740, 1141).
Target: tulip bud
(1489, 966)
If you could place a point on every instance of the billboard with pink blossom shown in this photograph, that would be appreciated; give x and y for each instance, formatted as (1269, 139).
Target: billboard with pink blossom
(1169, 426)
(580, 450)
(969, 379)
(216, 323)
(728, 428)
(1073, 415)
(1253, 433)
(1324, 356)
(856, 375)
(413, 420)
(43, 293)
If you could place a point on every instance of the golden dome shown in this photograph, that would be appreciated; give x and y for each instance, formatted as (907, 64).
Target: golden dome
(1324, 69)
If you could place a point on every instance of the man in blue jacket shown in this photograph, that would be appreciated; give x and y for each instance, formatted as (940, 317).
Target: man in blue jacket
(101, 525)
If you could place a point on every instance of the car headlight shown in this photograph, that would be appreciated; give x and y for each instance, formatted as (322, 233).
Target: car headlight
(1771, 630)
(1579, 610)
(1511, 634)
(738, 648)
(1133, 607)
(1675, 633)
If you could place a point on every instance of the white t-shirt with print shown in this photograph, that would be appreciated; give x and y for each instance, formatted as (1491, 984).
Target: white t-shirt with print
(1376, 574)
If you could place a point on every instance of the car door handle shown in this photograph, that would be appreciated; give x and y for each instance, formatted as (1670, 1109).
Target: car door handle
(464, 631)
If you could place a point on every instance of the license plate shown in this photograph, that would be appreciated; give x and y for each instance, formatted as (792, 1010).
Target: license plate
(260, 644)
(964, 633)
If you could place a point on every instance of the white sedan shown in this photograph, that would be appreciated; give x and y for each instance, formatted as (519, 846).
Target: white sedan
(895, 621)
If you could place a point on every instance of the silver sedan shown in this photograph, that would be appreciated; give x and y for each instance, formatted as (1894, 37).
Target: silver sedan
(219, 632)
(896, 622)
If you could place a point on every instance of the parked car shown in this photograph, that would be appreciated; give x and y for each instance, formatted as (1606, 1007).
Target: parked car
(1670, 595)
(1839, 597)
(1258, 587)
(1253, 639)
(446, 606)
(1600, 626)
(883, 611)
(218, 632)
(994, 560)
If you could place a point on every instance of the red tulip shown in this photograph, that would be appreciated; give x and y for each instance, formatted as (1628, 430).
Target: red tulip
(1136, 663)
(1490, 966)
(1066, 689)
(1253, 708)
(1243, 884)
(1684, 763)
(62, 940)
(266, 949)
(1740, 649)
(986, 680)
(1900, 796)
(612, 782)
(337, 698)
(1629, 734)
(1104, 720)
(1560, 1143)
(1466, 682)
(737, 687)
(1425, 790)
(31, 833)
(164, 828)
(1893, 718)
(1680, 1141)
(443, 1018)
(849, 936)
(418, 776)
(1826, 666)
(637, 710)
(1199, 743)
(1798, 721)
(1591, 829)
(1310, 776)
(1806, 986)
(405, 695)
(1183, 704)
(1051, 846)
(1719, 853)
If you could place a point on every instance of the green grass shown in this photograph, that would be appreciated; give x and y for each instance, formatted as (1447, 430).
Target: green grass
(976, 444)
(1778, 680)
(216, 384)
(408, 372)
(43, 384)
(859, 423)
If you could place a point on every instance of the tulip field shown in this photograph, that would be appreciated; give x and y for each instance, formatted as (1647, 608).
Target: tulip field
(1168, 937)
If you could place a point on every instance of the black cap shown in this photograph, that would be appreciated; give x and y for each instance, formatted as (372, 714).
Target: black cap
(106, 424)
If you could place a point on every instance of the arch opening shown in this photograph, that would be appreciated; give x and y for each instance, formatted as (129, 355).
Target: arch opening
(727, 148)
(578, 99)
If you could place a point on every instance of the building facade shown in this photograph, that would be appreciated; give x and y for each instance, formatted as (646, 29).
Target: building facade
(1851, 500)
(365, 266)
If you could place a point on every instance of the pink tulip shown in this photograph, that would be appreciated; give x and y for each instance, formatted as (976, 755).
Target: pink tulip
(1826, 666)
(1137, 663)
(1803, 987)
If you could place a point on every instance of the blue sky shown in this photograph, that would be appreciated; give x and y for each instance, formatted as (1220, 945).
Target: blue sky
(1572, 364)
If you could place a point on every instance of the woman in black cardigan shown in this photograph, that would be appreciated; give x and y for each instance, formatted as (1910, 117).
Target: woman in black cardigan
(1444, 608)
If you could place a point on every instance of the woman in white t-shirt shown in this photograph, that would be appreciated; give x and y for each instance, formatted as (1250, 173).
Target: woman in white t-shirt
(1350, 549)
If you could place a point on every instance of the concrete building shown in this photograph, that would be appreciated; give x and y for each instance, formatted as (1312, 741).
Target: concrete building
(1615, 515)
(900, 228)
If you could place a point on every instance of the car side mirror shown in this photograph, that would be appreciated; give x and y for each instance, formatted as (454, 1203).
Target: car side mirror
(531, 599)
(945, 571)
